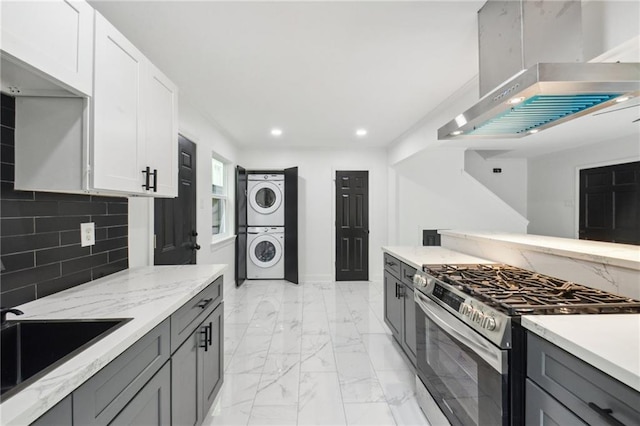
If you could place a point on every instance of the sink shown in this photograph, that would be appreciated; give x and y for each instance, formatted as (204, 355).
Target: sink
(32, 348)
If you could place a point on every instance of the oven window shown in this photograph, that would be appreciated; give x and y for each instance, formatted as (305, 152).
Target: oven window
(468, 390)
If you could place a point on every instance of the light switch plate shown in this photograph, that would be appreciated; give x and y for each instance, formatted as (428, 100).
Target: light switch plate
(87, 234)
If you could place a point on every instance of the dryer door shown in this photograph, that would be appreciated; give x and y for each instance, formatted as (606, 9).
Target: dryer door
(265, 197)
(265, 251)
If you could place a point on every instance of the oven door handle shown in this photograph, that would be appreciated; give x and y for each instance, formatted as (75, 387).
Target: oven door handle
(463, 334)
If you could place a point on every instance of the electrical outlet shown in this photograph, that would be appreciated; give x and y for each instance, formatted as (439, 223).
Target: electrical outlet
(87, 234)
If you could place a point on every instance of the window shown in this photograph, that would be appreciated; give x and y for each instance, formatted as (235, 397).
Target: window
(218, 197)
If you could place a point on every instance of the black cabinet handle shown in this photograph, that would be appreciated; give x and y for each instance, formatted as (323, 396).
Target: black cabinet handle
(408, 276)
(390, 263)
(396, 290)
(146, 172)
(155, 180)
(205, 302)
(606, 413)
(210, 328)
(203, 344)
(401, 291)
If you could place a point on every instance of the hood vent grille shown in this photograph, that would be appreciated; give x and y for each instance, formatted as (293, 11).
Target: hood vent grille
(538, 111)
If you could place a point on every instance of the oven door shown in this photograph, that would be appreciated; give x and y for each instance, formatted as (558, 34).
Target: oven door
(466, 375)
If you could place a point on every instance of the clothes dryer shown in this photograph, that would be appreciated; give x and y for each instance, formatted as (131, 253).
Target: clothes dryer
(265, 206)
(265, 253)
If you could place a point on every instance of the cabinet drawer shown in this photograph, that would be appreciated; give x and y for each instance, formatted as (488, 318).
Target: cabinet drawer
(152, 405)
(100, 399)
(407, 274)
(542, 409)
(582, 388)
(186, 319)
(392, 265)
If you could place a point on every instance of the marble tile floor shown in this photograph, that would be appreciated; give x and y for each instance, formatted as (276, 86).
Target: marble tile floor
(312, 354)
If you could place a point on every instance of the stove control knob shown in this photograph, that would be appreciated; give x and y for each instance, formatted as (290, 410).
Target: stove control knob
(477, 316)
(489, 323)
(420, 280)
(465, 309)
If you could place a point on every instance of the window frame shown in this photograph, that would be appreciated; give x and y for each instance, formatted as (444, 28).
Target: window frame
(224, 197)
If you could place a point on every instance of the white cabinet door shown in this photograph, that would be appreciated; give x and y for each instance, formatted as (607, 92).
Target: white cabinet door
(161, 131)
(55, 38)
(118, 134)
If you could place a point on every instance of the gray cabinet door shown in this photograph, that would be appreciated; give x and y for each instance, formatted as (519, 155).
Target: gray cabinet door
(186, 407)
(59, 415)
(393, 305)
(151, 406)
(409, 324)
(543, 410)
(212, 358)
(105, 394)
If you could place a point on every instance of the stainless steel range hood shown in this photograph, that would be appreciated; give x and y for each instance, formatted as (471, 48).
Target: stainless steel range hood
(540, 44)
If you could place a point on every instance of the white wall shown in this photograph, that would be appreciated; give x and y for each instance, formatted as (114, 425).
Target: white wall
(607, 25)
(553, 197)
(510, 185)
(432, 191)
(201, 130)
(316, 202)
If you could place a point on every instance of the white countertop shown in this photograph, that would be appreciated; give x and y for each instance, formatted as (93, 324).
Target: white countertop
(609, 342)
(418, 256)
(148, 295)
(624, 255)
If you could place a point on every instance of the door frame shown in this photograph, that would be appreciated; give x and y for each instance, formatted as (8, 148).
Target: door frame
(334, 218)
(576, 201)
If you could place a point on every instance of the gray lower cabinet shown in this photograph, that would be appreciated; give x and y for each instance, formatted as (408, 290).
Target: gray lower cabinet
(399, 305)
(393, 305)
(99, 400)
(152, 405)
(59, 415)
(171, 375)
(197, 371)
(581, 389)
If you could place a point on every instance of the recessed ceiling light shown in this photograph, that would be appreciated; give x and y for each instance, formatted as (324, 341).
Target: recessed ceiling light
(361, 132)
(276, 132)
(532, 131)
(515, 100)
(623, 99)
(456, 133)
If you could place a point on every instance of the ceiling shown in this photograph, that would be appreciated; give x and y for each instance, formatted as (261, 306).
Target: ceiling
(321, 70)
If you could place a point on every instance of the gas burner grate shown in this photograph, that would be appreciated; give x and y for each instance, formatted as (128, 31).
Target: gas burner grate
(519, 291)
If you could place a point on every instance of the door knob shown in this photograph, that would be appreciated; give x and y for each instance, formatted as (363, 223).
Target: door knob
(195, 246)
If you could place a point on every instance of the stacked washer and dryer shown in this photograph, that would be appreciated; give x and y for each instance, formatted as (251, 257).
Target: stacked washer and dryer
(265, 226)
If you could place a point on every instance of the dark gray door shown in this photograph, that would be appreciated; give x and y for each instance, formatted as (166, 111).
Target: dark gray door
(610, 203)
(241, 225)
(175, 218)
(291, 224)
(352, 225)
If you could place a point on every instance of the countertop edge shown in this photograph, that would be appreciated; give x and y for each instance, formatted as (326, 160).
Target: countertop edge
(35, 400)
(573, 254)
(598, 361)
(438, 252)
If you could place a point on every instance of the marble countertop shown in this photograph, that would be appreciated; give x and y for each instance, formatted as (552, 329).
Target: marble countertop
(419, 255)
(623, 255)
(609, 342)
(148, 295)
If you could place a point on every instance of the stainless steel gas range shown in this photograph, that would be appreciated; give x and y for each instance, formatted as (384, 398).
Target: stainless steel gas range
(471, 353)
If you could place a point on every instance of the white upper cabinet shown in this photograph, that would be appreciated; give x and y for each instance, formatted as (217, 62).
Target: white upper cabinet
(52, 38)
(135, 124)
(123, 140)
(118, 128)
(161, 131)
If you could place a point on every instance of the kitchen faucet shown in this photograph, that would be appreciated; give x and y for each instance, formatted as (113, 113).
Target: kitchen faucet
(4, 311)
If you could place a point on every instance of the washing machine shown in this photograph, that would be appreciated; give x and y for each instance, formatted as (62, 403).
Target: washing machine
(265, 252)
(265, 204)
